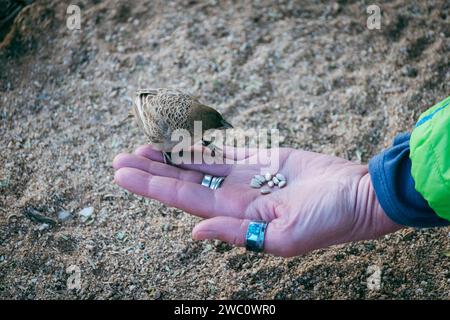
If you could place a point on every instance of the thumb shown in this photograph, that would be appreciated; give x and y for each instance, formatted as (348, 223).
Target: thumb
(227, 229)
(234, 230)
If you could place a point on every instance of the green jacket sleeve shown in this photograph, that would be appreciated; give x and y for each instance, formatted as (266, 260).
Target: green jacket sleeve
(430, 157)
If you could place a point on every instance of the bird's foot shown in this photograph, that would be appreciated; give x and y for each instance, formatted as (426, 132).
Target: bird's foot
(212, 147)
(167, 158)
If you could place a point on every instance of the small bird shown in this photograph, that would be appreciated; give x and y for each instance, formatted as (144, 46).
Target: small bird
(159, 112)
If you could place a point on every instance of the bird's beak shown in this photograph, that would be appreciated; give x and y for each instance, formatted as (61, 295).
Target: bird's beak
(225, 124)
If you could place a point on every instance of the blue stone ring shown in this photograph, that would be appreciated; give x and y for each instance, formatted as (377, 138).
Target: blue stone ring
(254, 239)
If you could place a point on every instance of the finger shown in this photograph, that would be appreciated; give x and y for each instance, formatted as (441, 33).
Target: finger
(148, 151)
(190, 197)
(229, 152)
(234, 231)
(156, 168)
(213, 169)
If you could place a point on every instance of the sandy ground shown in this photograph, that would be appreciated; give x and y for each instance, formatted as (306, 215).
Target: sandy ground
(314, 71)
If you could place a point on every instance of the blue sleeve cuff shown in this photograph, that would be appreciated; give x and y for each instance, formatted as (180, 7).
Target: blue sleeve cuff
(390, 172)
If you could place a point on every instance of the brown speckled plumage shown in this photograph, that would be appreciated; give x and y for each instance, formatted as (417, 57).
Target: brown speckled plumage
(161, 111)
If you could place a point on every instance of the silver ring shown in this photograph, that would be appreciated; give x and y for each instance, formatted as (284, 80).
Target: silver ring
(254, 239)
(212, 182)
(216, 182)
(206, 180)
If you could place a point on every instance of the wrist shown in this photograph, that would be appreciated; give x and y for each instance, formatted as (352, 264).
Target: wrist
(373, 222)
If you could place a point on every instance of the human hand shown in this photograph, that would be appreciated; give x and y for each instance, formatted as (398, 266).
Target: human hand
(327, 200)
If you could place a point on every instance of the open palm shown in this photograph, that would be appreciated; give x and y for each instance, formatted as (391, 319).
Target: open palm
(327, 200)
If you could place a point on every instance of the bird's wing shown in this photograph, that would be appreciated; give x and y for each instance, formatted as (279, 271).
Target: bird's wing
(159, 96)
(165, 106)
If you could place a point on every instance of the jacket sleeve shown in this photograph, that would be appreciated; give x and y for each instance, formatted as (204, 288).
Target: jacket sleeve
(412, 178)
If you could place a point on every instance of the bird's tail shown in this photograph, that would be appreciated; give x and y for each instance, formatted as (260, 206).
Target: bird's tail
(151, 92)
(139, 98)
(142, 94)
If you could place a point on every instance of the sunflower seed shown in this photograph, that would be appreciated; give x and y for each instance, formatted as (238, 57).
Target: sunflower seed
(265, 190)
(270, 184)
(282, 184)
(254, 183)
(268, 176)
(280, 177)
(260, 178)
(275, 180)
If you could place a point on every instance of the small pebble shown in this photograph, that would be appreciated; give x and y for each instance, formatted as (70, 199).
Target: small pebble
(43, 227)
(270, 184)
(275, 180)
(282, 184)
(265, 190)
(268, 176)
(64, 215)
(86, 213)
(280, 177)
(121, 235)
(409, 71)
(157, 295)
